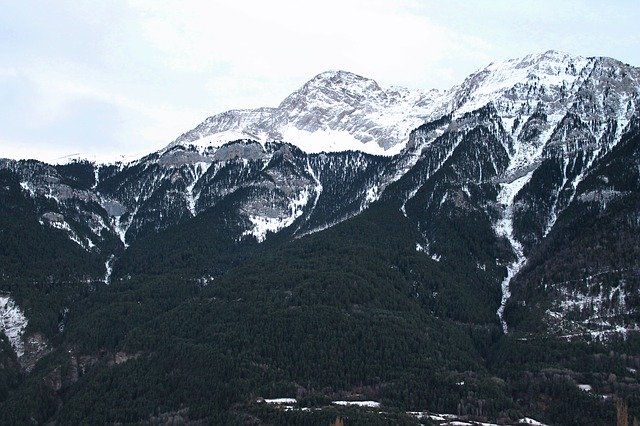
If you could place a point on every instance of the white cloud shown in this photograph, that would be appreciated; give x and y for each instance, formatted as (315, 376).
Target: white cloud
(8, 72)
(293, 39)
(57, 96)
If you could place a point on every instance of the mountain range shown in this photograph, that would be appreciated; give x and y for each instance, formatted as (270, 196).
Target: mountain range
(483, 235)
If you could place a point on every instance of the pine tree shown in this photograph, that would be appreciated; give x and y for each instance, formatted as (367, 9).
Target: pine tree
(338, 421)
(622, 409)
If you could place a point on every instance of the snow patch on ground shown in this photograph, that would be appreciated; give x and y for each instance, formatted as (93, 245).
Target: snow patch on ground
(554, 214)
(530, 421)
(373, 193)
(120, 226)
(425, 415)
(585, 388)
(96, 176)
(27, 187)
(13, 323)
(217, 139)
(261, 225)
(281, 401)
(370, 404)
(446, 419)
(71, 234)
(326, 226)
(318, 188)
(590, 306)
(425, 249)
(411, 194)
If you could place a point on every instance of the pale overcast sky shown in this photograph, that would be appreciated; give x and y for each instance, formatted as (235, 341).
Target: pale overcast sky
(128, 76)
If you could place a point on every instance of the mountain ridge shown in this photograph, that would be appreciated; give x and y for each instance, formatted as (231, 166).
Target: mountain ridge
(552, 67)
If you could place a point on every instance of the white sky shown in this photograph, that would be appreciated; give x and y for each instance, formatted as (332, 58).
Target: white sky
(126, 77)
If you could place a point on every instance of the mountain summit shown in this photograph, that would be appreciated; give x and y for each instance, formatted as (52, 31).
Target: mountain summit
(334, 111)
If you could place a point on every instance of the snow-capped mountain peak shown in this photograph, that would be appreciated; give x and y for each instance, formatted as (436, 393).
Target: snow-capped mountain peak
(533, 78)
(334, 111)
(339, 80)
(332, 89)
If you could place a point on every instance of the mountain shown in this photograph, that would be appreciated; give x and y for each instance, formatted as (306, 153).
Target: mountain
(356, 241)
(334, 111)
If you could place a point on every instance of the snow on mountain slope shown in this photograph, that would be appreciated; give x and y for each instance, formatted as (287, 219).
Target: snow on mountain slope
(335, 111)
(546, 87)
(504, 228)
(558, 114)
(510, 84)
(12, 323)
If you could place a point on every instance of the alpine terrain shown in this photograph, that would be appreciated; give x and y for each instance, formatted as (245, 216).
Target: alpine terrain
(357, 253)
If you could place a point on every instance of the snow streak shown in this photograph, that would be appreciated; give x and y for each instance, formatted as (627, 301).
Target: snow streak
(504, 228)
(199, 170)
(108, 270)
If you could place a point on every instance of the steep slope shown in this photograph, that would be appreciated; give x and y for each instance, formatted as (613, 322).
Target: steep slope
(582, 280)
(65, 199)
(515, 124)
(42, 270)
